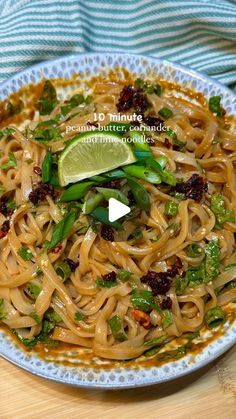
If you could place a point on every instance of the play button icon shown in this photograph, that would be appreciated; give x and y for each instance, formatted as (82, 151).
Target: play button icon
(117, 210)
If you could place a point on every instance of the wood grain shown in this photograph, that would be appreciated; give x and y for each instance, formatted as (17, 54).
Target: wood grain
(209, 393)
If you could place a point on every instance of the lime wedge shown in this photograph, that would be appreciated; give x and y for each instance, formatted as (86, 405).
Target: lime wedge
(93, 153)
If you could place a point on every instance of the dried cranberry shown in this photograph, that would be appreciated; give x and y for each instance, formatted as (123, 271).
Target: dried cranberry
(57, 249)
(107, 233)
(153, 121)
(72, 264)
(178, 263)
(176, 147)
(126, 98)
(39, 194)
(111, 276)
(130, 97)
(114, 184)
(4, 208)
(3, 205)
(37, 170)
(4, 228)
(166, 303)
(167, 143)
(160, 282)
(193, 188)
(140, 102)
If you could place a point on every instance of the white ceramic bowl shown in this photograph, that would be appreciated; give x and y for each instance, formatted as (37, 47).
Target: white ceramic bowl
(117, 376)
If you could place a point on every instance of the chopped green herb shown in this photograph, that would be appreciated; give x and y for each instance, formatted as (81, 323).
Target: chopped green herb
(206, 271)
(141, 147)
(167, 318)
(33, 289)
(25, 253)
(14, 108)
(142, 172)
(222, 214)
(191, 336)
(29, 161)
(212, 260)
(76, 191)
(80, 316)
(165, 113)
(6, 132)
(11, 205)
(142, 300)
(11, 162)
(214, 317)
(61, 231)
(180, 196)
(114, 174)
(156, 341)
(148, 87)
(2, 313)
(35, 317)
(171, 208)
(91, 202)
(162, 161)
(75, 100)
(82, 229)
(180, 284)
(195, 275)
(136, 235)
(152, 352)
(46, 135)
(29, 343)
(141, 196)
(52, 316)
(101, 214)
(117, 328)
(47, 167)
(123, 275)
(165, 175)
(47, 327)
(175, 353)
(108, 193)
(102, 283)
(48, 123)
(95, 226)
(214, 105)
(172, 134)
(48, 99)
(216, 141)
(63, 270)
(194, 250)
(38, 272)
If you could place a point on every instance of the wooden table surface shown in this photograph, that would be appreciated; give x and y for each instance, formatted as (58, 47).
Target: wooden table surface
(209, 393)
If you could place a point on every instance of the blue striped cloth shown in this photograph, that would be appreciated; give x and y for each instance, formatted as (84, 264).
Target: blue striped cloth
(199, 33)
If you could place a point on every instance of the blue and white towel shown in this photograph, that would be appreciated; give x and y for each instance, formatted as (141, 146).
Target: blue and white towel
(198, 33)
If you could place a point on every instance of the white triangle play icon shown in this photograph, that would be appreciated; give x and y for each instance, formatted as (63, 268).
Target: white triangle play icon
(116, 210)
